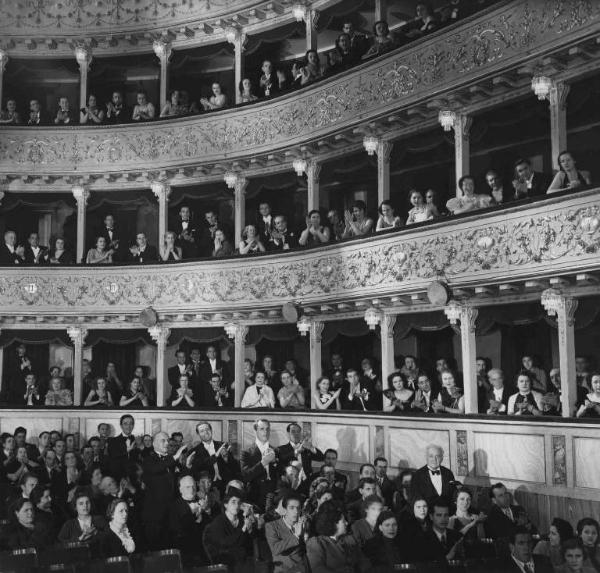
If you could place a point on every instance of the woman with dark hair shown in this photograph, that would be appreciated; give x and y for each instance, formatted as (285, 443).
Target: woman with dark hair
(98, 255)
(382, 42)
(526, 402)
(59, 255)
(588, 531)
(85, 527)
(568, 176)
(424, 22)
(469, 201)
(99, 396)
(573, 558)
(311, 71)
(414, 525)
(222, 245)
(332, 549)
(117, 540)
(387, 217)
(315, 233)
(397, 397)
(23, 530)
(342, 56)
(560, 531)
(324, 398)
(216, 101)
(383, 549)
(357, 222)
(247, 92)
(227, 538)
(467, 522)
(134, 396)
(363, 529)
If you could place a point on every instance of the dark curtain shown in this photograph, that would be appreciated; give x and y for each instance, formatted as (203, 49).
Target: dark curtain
(38, 352)
(123, 355)
(187, 344)
(353, 349)
(432, 345)
(280, 350)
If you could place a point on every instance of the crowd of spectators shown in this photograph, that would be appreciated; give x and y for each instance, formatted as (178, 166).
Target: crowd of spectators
(190, 237)
(351, 48)
(285, 508)
(200, 381)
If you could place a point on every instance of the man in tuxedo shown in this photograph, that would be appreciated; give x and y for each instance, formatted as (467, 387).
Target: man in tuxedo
(271, 375)
(187, 233)
(187, 521)
(212, 365)
(98, 457)
(440, 544)
(359, 43)
(159, 476)
(285, 537)
(259, 466)
(206, 236)
(434, 480)
(195, 367)
(337, 366)
(340, 480)
(8, 250)
(282, 239)
(522, 558)
(265, 223)
(122, 452)
(116, 110)
(504, 517)
(48, 472)
(298, 448)
(527, 182)
(496, 397)
(35, 254)
(357, 393)
(111, 236)
(182, 367)
(497, 190)
(37, 116)
(215, 394)
(268, 84)
(142, 252)
(213, 457)
(424, 396)
(386, 486)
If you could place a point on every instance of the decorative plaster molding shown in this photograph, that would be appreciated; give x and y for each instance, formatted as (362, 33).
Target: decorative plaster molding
(521, 243)
(486, 45)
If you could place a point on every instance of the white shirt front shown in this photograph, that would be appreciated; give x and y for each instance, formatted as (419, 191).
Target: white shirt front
(210, 448)
(436, 480)
(10, 248)
(213, 365)
(521, 565)
(182, 368)
(498, 394)
(185, 225)
(263, 447)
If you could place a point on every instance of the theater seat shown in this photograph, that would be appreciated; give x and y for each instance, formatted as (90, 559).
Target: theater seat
(119, 564)
(167, 561)
(19, 560)
(74, 553)
(405, 567)
(211, 569)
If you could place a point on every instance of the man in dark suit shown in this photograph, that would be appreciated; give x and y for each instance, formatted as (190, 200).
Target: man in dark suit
(265, 223)
(504, 517)
(386, 486)
(122, 452)
(187, 233)
(529, 183)
(522, 559)
(285, 538)
(142, 252)
(340, 480)
(195, 367)
(367, 487)
(211, 365)
(187, 521)
(439, 544)
(8, 249)
(495, 400)
(357, 393)
(35, 254)
(282, 239)
(259, 466)
(116, 110)
(111, 236)
(159, 477)
(182, 367)
(37, 116)
(499, 193)
(213, 457)
(298, 449)
(434, 480)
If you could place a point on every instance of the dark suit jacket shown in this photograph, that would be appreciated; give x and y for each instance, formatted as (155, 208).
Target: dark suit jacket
(206, 370)
(6, 257)
(204, 462)
(289, 554)
(388, 489)
(173, 375)
(542, 565)
(421, 485)
(117, 242)
(159, 477)
(285, 454)
(432, 549)
(71, 530)
(185, 530)
(355, 403)
(260, 482)
(111, 545)
(498, 525)
(123, 116)
(189, 249)
(118, 460)
(539, 185)
(30, 257)
(225, 543)
(290, 240)
(489, 396)
(150, 255)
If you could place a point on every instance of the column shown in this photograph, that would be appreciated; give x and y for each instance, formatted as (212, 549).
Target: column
(239, 44)
(564, 307)
(462, 147)
(467, 315)
(1, 366)
(3, 62)
(558, 119)
(384, 152)
(387, 347)
(316, 363)
(162, 190)
(311, 19)
(163, 52)
(240, 187)
(313, 172)
(160, 335)
(380, 10)
(77, 336)
(241, 332)
(83, 55)
(81, 195)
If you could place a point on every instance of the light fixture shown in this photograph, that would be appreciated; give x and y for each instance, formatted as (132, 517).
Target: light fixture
(447, 118)
(230, 178)
(73, 332)
(78, 192)
(300, 166)
(231, 34)
(453, 311)
(370, 143)
(81, 54)
(299, 12)
(157, 187)
(372, 317)
(155, 332)
(303, 326)
(230, 330)
(541, 86)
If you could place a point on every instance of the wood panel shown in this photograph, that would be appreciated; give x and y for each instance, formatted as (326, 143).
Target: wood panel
(587, 462)
(407, 447)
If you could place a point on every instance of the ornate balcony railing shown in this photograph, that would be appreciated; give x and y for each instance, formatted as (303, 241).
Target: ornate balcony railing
(501, 39)
(557, 236)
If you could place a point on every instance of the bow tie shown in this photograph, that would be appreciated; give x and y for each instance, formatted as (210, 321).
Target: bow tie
(435, 472)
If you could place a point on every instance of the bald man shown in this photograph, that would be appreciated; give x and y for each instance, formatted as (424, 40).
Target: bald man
(159, 477)
(434, 480)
